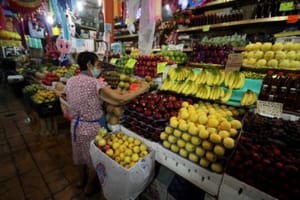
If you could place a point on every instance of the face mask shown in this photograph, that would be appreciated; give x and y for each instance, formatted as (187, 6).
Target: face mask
(95, 72)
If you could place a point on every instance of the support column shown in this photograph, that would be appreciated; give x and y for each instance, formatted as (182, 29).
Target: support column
(108, 11)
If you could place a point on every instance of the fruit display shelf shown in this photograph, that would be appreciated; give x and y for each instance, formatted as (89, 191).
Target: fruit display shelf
(202, 178)
(232, 188)
(206, 65)
(246, 22)
(120, 37)
(266, 69)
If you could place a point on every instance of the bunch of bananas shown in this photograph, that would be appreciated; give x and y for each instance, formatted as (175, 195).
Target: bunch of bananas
(203, 91)
(215, 77)
(249, 98)
(167, 84)
(178, 74)
(227, 96)
(234, 80)
(188, 88)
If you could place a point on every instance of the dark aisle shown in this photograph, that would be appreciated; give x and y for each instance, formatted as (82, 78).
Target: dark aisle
(34, 165)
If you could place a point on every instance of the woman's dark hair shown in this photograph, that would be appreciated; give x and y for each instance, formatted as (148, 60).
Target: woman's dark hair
(86, 57)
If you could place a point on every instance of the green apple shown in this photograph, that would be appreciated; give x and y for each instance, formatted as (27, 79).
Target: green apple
(169, 130)
(200, 151)
(101, 142)
(183, 153)
(172, 139)
(186, 137)
(166, 144)
(193, 157)
(204, 162)
(174, 148)
(177, 133)
(163, 136)
(189, 147)
(195, 140)
(180, 143)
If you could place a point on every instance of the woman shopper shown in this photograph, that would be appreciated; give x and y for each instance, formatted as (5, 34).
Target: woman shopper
(86, 95)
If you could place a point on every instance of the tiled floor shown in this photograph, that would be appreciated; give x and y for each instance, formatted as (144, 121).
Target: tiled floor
(34, 165)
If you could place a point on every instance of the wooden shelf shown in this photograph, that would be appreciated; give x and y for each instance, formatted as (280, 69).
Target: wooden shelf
(88, 27)
(120, 37)
(235, 23)
(184, 50)
(215, 3)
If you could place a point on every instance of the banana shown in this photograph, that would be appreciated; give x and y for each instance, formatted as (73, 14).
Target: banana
(227, 96)
(241, 81)
(222, 77)
(192, 76)
(208, 91)
(249, 98)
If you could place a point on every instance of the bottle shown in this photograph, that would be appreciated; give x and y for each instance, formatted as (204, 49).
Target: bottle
(282, 97)
(257, 10)
(264, 93)
(275, 87)
(297, 7)
(275, 8)
(267, 9)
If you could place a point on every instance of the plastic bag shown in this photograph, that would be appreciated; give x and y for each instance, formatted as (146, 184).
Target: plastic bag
(117, 182)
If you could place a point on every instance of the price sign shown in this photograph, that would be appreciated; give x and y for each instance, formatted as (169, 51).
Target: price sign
(269, 108)
(206, 28)
(196, 70)
(161, 67)
(286, 6)
(234, 62)
(130, 63)
(113, 61)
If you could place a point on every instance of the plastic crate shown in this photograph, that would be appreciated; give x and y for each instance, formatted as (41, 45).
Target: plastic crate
(47, 109)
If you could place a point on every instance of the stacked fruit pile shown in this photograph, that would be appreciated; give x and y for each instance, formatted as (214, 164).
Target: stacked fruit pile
(206, 84)
(214, 54)
(112, 78)
(148, 114)
(175, 56)
(33, 88)
(267, 156)
(278, 55)
(125, 150)
(44, 96)
(113, 113)
(49, 78)
(203, 133)
(121, 65)
(126, 81)
(147, 66)
(60, 71)
(73, 70)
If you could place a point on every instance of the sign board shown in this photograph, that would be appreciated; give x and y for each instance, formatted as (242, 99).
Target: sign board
(234, 62)
(269, 108)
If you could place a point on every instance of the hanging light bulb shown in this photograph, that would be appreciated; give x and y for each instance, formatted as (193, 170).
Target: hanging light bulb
(50, 19)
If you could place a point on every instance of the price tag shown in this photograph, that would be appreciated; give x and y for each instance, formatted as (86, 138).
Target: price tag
(234, 62)
(196, 70)
(113, 61)
(206, 28)
(161, 67)
(130, 63)
(269, 108)
(286, 6)
(292, 19)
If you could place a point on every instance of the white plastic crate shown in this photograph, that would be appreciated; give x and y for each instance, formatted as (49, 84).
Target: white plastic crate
(114, 128)
(232, 188)
(201, 177)
(152, 145)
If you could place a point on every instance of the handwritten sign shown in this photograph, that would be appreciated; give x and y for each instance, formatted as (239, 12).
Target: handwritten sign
(113, 61)
(161, 67)
(269, 108)
(206, 28)
(130, 63)
(286, 6)
(234, 62)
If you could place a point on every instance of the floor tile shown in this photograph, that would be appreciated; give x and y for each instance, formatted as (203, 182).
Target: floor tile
(8, 169)
(67, 193)
(71, 173)
(56, 181)
(34, 186)
(11, 189)
(24, 162)
(45, 162)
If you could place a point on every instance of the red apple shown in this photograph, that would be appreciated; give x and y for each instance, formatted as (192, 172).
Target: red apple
(105, 147)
